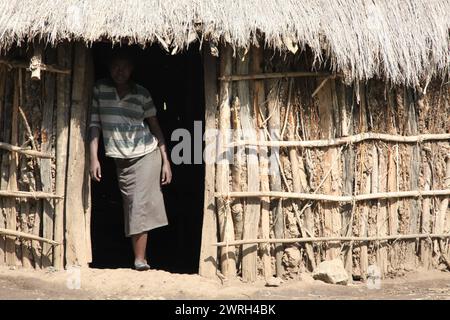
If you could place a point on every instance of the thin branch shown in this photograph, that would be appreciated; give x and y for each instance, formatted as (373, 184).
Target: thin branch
(24, 65)
(28, 152)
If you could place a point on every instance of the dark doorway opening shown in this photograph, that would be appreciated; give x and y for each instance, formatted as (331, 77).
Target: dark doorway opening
(176, 85)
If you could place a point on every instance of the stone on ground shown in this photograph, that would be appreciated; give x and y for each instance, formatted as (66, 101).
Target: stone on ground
(331, 271)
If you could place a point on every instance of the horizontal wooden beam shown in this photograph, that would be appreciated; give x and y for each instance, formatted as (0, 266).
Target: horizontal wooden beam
(275, 75)
(326, 197)
(29, 194)
(18, 234)
(28, 152)
(346, 140)
(42, 66)
(338, 239)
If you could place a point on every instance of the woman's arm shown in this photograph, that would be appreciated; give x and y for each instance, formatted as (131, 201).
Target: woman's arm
(166, 174)
(94, 169)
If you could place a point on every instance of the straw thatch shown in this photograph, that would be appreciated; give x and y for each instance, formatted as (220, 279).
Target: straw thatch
(403, 40)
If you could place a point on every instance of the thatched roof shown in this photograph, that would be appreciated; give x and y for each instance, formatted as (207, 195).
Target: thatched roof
(400, 39)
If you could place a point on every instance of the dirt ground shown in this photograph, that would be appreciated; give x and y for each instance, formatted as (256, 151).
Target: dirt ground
(155, 284)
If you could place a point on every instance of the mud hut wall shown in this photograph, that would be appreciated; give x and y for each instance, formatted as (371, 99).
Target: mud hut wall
(321, 108)
(37, 115)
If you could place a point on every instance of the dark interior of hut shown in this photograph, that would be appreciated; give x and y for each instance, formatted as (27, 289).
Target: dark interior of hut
(175, 83)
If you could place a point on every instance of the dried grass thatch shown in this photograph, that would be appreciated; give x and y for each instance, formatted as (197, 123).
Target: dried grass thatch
(403, 40)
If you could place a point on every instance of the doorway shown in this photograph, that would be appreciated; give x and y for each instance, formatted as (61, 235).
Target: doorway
(175, 83)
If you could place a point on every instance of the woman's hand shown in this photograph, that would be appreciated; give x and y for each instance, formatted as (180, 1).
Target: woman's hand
(95, 170)
(166, 173)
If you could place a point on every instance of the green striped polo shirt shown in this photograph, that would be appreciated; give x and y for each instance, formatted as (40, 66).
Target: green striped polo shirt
(125, 133)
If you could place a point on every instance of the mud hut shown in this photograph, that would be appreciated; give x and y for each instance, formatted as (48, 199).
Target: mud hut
(339, 114)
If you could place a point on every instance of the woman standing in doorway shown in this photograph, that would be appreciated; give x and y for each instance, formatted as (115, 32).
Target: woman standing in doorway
(123, 112)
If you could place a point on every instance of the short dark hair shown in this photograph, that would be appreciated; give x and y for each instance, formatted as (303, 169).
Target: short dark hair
(122, 53)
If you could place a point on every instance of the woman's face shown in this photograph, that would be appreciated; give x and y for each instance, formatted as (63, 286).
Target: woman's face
(121, 70)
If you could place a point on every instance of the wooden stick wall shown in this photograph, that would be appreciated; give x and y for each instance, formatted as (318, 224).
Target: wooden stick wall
(383, 149)
(42, 136)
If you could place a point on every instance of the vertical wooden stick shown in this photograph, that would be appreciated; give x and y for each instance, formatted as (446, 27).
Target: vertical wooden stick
(227, 256)
(297, 183)
(366, 183)
(208, 253)
(275, 176)
(260, 109)
(3, 79)
(63, 85)
(425, 245)
(414, 172)
(332, 218)
(394, 251)
(253, 207)
(24, 204)
(89, 84)
(46, 164)
(345, 99)
(12, 182)
(374, 210)
(32, 100)
(237, 205)
(75, 219)
(382, 220)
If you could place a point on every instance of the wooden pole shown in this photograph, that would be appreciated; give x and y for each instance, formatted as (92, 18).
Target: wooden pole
(31, 102)
(333, 198)
(18, 234)
(382, 217)
(28, 152)
(11, 216)
(260, 110)
(237, 184)
(273, 75)
(48, 216)
(357, 138)
(414, 173)
(3, 109)
(63, 84)
(75, 219)
(296, 181)
(25, 134)
(337, 239)
(86, 190)
(208, 254)
(425, 245)
(226, 229)
(345, 102)
(29, 194)
(332, 219)
(253, 206)
(274, 127)
(392, 181)
(365, 181)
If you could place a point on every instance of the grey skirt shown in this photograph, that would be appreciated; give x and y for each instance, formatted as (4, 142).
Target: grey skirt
(139, 182)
